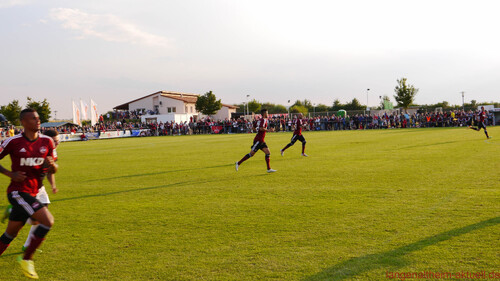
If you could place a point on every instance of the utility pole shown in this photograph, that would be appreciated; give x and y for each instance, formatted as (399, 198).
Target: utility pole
(463, 102)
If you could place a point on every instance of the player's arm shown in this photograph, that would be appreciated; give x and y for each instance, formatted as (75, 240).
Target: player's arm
(52, 180)
(51, 164)
(15, 176)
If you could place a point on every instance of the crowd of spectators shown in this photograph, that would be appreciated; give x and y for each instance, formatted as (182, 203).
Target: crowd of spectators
(280, 123)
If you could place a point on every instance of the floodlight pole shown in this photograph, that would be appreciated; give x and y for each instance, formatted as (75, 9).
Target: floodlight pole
(248, 110)
(367, 90)
(463, 102)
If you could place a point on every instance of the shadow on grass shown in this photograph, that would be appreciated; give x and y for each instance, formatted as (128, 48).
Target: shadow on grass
(158, 173)
(126, 191)
(433, 144)
(393, 258)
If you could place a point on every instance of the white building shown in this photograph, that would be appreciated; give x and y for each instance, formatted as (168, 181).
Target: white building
(171, 106)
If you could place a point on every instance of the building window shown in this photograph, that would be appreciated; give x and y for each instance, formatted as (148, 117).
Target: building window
(186, 110)
(173, 109)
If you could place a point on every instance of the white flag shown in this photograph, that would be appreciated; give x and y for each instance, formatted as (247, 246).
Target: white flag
(94, 116)
(85, 109)
(76, 115)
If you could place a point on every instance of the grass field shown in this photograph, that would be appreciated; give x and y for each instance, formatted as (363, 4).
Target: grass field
(363, 204)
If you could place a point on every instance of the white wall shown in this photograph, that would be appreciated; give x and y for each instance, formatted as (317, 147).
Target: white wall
(177, 118)
(146, 103)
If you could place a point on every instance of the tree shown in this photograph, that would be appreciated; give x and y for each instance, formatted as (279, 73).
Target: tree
(254, 106)
(43, 108)
(11, 112)
(321, 108)
(208, 104)
(274, 108)
(337, 105)
(354, 105)
(405, 94)
(299, 109)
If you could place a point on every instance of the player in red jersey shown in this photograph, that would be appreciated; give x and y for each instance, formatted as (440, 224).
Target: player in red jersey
(481, 123)
(297, 135)
(258, 143)
(29, 153)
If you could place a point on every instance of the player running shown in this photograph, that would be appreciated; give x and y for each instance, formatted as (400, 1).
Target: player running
(42, 194)
(258, 143)
(297, 135)
(29, 152)
(481, 123)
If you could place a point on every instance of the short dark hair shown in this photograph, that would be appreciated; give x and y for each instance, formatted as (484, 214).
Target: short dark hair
(51, 133)
(25, 111)
(263, 110)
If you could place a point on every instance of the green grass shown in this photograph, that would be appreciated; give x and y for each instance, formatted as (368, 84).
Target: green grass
(363, 203)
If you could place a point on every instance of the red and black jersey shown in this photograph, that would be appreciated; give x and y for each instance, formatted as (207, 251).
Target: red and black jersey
(27, 156)
(482, 116)
(262, 123)
(298, 127)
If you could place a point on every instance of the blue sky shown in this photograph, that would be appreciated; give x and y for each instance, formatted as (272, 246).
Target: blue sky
(116, 51)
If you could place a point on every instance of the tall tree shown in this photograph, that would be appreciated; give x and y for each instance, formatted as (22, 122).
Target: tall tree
(208, 104)
(299, 109)
(405, 94)
(11, 111)
(337, 105)
(354, 105)
(254, 106)
(42, 107)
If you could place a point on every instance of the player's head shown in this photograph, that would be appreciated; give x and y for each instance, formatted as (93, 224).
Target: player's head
(54, 135)
(482, 107)
(30, 119)
(264, 113)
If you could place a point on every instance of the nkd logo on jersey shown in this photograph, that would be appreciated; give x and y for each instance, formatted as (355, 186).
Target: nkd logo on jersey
(32, 161)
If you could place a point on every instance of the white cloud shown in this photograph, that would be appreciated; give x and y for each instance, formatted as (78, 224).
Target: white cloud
(12, 3)
(106, 27)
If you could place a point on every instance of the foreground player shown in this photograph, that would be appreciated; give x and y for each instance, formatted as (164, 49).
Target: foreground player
(42, 194)
(481, 124)
(258, 143)
(297, 135)
(28, 152)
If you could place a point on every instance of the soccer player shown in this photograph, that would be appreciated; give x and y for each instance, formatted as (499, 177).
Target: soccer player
(42, 194)
(297, 135)
(258, 143)
(28, 152)
(481, 124)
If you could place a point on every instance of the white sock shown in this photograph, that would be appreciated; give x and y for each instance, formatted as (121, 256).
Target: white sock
(32, 232)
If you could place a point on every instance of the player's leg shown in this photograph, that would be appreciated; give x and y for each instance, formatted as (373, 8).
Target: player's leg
(34, 226)
(247, 156)
(268, 159)
(292, 142)
(303, 140)
(46, 220)
(13, 228)
(485, 131)
(43, 197)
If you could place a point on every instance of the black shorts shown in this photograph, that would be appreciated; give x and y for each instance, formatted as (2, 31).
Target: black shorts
(23, 205)
(298, 138)
(258, 145)
(481, 125)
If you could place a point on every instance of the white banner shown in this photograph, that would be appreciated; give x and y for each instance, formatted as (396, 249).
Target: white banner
(76, 115)
(85, 109)
(94, 116)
